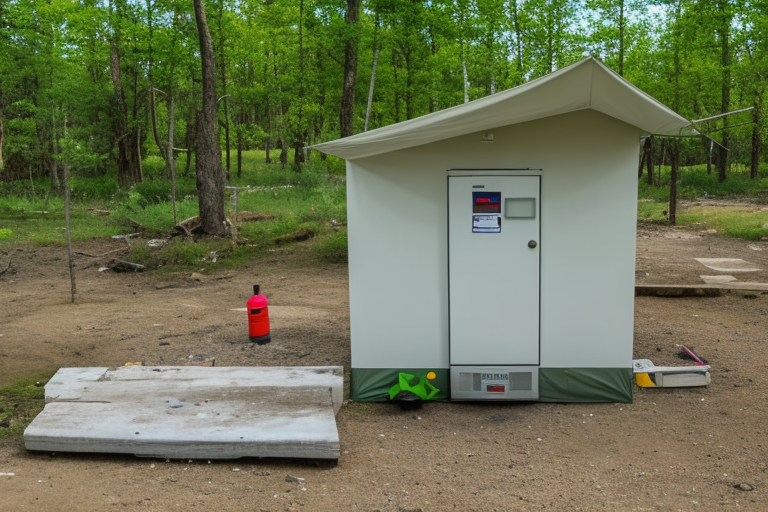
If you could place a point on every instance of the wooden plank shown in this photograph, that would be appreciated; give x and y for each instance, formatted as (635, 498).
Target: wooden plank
(192, 412)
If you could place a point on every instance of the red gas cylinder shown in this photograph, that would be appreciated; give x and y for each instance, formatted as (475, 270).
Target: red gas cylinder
(258, 318)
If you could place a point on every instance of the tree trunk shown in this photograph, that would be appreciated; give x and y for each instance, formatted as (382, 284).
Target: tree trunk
(649, 161)
(128, 157)
(621, 37)
(373, 71)
(709, 143)
(370, 89)
(210, 178)
(644, 154)
(298, 156)
(724, 33)
(239, 142)
(347, 117)
(754, 164)
(283, 152)
(224, 95)
(674, 156)
(2, 132)
(170, 161)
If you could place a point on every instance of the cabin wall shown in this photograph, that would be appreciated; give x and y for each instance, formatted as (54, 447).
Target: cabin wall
(398, 241)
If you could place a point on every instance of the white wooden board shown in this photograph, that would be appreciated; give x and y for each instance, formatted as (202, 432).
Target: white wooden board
(191, 412)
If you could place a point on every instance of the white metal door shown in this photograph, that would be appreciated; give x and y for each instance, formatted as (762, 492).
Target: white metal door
(493, 251)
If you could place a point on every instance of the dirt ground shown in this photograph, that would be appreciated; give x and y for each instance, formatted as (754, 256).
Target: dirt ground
(672, 449)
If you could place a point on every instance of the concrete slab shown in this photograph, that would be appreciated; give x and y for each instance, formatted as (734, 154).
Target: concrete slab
(727, 264)
(191, 412)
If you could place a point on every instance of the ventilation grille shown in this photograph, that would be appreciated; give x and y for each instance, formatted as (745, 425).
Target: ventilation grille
(517, 381)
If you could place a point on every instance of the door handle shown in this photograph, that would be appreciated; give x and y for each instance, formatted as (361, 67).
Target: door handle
(532, 244)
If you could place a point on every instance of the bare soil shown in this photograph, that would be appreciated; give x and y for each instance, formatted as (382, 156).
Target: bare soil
(672, 449)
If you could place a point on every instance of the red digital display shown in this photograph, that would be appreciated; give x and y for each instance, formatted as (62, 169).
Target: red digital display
(495, 388)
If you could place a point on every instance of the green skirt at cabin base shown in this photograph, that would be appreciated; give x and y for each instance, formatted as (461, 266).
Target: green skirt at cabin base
(373, 384)
(585, 384)
(555, 384)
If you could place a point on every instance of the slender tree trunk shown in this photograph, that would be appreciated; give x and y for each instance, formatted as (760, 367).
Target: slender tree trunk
(370, 88)
(373, 70)
(210, 178)
(674, 156)
(56, 178)
(239, 136)
(708, 147)
(649, 161)
(466, 79)
(724, 33)
(224, 95)
(754, 164)
(347, 117)
(518, 42)
(2, 131)
(170, 161)
(644, 154)
(68, 229)
(621, 37)
(128, 157)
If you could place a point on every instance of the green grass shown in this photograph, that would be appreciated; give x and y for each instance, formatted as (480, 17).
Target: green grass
(333, 248)
(747, 222)
(20, 403)
(738, 223)
(313, 201)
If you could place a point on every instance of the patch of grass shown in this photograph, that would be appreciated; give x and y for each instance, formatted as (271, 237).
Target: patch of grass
(649, 210)
(20, 403)
(746, 223)
(333, 248)
(313, 201)
(49, 228)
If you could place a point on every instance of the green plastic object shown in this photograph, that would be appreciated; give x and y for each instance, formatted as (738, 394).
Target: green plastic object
(421, 387)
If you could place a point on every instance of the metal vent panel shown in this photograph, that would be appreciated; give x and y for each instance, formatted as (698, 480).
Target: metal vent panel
(494, 383)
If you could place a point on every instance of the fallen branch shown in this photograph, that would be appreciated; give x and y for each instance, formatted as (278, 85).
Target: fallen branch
(125, 266)
(188, 226)
(297, 236)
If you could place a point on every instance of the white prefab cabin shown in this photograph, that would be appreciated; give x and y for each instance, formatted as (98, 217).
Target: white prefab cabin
(493, 243)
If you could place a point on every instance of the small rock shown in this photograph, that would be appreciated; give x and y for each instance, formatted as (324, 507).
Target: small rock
(744, 487)
(294, 479)
(196, 276)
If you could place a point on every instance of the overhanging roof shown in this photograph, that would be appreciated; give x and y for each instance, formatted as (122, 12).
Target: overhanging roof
(587, 84)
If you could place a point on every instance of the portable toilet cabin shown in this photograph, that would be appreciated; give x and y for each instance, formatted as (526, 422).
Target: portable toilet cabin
(492, 244)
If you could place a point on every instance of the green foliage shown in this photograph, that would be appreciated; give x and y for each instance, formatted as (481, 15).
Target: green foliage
(20, 403)
(333, 248)
(694, 182)
(5, 233)
(99, 189)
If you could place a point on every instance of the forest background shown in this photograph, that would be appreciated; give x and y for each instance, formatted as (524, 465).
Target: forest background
(110, 90)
